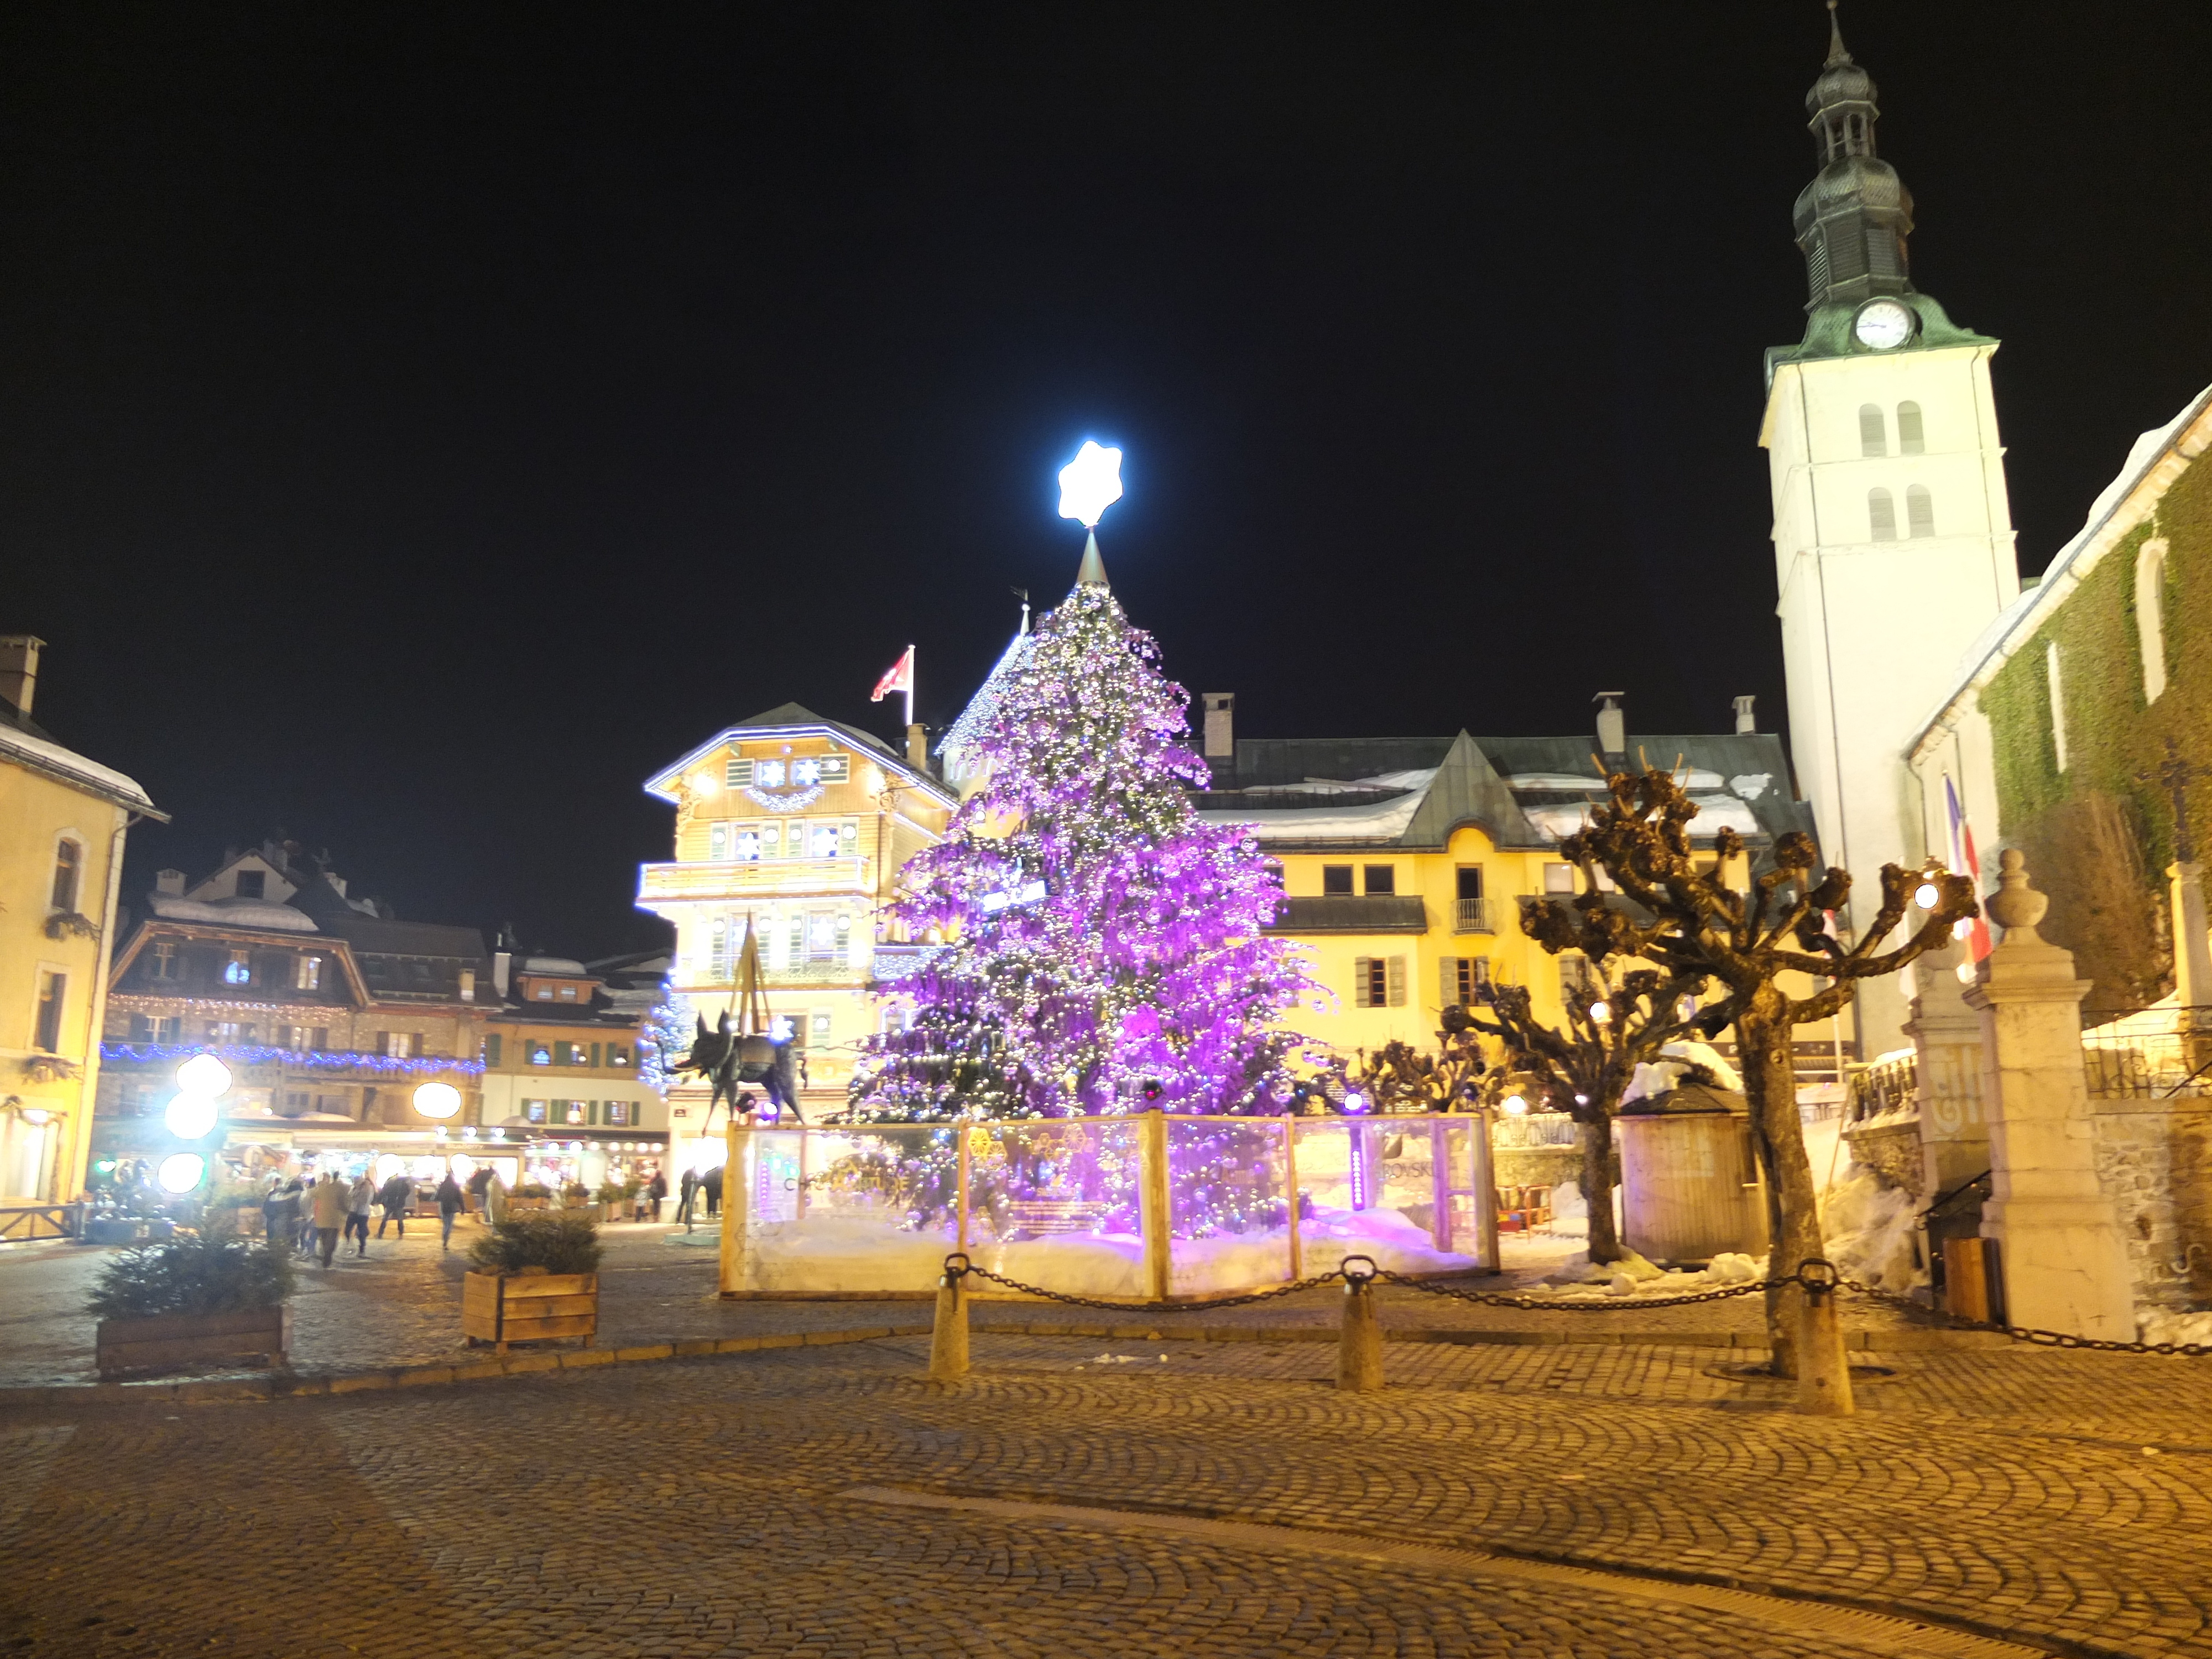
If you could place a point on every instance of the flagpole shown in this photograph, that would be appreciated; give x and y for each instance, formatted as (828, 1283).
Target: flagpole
(909, 685)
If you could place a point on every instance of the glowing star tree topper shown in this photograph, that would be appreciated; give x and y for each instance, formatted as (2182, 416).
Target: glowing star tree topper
(1090, 483)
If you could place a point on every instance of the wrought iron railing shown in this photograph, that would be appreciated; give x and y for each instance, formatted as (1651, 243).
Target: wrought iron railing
(1511, 1130)
(1472, 915)
(1886, 1088)
(2151, 1054)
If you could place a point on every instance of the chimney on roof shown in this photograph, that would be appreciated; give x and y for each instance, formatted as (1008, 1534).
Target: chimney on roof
(1612, 729)
(1220, 737)
(917, 747)
(1746, 723)
(502, 964)
(170, 883)
(19, 669)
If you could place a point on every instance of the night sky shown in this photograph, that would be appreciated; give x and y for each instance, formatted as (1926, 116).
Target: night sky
(417, 425)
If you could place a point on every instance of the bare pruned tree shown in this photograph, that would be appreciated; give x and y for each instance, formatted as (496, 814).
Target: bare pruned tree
(1584, 1069)
(1749, 937)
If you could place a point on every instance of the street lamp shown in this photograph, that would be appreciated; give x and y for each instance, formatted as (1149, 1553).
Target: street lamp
(199, 1081)
(180, 1172)
(437, 1100)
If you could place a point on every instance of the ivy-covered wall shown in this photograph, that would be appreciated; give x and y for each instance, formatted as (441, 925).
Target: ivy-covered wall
(2098, 835)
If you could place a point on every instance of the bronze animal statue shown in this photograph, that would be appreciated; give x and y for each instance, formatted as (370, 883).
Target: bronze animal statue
(727, 1059)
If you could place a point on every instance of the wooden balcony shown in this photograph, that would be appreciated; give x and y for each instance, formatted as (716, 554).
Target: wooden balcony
(736, 880)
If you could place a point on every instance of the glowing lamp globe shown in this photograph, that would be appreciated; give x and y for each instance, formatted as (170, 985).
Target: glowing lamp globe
(462, 1165)
(1090, 483)
(1600, 1011)
(437, 1100)
(1514, 1105)
(189, 1116)
(204, 1075)
(180, 1172)
(1926, 896)
(387, 1165)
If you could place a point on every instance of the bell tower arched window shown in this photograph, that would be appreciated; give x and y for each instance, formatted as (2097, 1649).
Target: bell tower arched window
(1919, 511)
(1872, 439)
(2150, 616)
(1882, 515)
(1910, 438)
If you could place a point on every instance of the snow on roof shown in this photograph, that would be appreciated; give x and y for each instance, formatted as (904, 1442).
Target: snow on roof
(1690, 777)
(554, 965)
(232, 913)
(1714, 813)
(1419, 777)
(1382, 820)
(45, 756)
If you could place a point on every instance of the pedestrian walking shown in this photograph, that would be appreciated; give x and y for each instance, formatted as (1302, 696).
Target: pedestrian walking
(361, 1198)
(656, 1192)
(477, 1182)
(451, 1199)
(711, 1184)
(397, 1197)
(277, 1226)
(690, 1189)
(303, 1213)
(328, 1212)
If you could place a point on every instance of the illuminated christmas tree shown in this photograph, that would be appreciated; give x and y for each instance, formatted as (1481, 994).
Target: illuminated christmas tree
(1105, 948)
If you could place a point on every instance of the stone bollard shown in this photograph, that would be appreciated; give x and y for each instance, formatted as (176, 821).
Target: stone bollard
(948, 1336)
(1359, 1349)
(1821, 1359)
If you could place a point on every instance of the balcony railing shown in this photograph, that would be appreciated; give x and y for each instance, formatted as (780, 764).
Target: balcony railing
(740, 878)
(2155, 1054)
(1472, 915)
(1885, 1089)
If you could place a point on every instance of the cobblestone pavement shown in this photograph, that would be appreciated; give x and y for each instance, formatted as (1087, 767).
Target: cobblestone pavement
(401, 1306)
(752, 1505)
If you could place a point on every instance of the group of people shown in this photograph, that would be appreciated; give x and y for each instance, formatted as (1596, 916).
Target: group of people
(317, 1216)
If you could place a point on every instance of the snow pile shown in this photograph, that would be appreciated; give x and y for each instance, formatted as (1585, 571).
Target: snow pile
(1675, 1062)
(2174, 1327)
(1633, 1278)
(845, 1250)
(1870, 1231)
(1393, 1239)
(1568, 1203)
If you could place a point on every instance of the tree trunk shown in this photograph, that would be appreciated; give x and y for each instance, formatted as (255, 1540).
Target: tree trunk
(1597, 1187)
(1804, 1333)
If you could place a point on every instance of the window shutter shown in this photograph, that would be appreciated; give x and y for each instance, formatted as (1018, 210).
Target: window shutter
(492, 1044)
(1448, 980)
(384, 1043)
(1397, 982)
(1361, 981)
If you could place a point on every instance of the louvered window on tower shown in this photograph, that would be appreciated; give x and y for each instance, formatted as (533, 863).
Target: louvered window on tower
(1910, 441)
(1871, 439)
(1882, 515)
(1919, 511)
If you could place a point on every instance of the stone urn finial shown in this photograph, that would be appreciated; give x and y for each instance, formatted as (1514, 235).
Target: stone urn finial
(2015, 907)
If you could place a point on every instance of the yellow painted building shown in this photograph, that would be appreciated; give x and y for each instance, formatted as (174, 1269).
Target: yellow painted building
(1406, 860)
(796, 826)
(63, 819)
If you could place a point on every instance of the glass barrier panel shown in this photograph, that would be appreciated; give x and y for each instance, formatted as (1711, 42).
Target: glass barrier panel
(1229, 1212)
(1369, 1187)
(869, 1208)
(1054, 1203)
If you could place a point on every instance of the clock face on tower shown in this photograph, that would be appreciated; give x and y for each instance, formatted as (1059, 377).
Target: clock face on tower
(1883, 324)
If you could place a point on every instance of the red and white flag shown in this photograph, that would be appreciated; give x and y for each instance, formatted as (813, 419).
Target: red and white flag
(899, 677)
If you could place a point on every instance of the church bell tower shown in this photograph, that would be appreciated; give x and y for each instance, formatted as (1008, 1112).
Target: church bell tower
(1892, 535)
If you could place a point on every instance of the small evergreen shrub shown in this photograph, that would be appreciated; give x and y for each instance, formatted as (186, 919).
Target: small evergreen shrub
(204, 1273)
(554, 1243)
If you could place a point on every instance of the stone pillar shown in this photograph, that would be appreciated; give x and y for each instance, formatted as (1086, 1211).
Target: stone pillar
(2065, 1265)
(2192, 954)
(1946, 1039)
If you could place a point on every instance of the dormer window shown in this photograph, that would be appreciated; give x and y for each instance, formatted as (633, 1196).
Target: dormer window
(252, 884)
(544, 992)
(568, 993)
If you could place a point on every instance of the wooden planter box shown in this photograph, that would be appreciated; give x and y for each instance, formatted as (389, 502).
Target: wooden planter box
(529, 1203)
(250, 1336)
(503, 1308)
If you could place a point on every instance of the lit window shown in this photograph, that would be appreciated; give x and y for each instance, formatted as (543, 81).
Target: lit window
(807, 772)
(1882, 515)
(533, 1111)
(820, 1025)
(573, 1111)
(1871, 441)
(53, 988)
(1559, 877)
(617, 1056)
(69, 857)
(745, 845)
(769, 774)
(239, 970)
(617, 1113)
(822, 841)
(568, 993)
(1919, 511)
(540, 1055)
(162, 962)
(307, 974)
(2150, 616)
(1908, 438)
(546, 994)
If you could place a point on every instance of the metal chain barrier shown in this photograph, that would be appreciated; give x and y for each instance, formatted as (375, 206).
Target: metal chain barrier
(1816, 1276)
